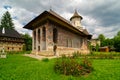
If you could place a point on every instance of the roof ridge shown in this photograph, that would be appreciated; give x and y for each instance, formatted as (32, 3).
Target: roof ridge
(57, 15)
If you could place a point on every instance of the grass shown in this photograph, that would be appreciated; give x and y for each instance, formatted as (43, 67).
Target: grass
(18, 67)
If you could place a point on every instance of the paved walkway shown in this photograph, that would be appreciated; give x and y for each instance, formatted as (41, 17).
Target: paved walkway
(39, 57)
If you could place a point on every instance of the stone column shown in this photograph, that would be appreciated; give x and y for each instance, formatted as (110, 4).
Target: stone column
(40, 39)
(46, 27)
(33, 40)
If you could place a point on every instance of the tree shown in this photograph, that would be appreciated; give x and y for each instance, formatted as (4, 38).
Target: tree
(97, 47)
(101, 37)
(109, 42)
(117, 42)
(6, 21)
(28, 42)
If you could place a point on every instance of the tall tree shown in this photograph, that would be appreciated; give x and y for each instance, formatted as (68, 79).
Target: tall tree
(101, 37)
(28, 42)
(117, 41)
(6, 21)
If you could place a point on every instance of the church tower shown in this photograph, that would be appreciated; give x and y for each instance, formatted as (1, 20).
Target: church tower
(76, 20)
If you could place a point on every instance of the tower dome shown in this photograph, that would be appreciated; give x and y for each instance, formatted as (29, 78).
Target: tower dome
(76, 15)
(76, 20)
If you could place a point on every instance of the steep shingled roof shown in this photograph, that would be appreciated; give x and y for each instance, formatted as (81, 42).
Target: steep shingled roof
(55, 15)
(9, 33)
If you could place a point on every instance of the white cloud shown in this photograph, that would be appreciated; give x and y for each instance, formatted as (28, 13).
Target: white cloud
(99, 16)
(19, 27)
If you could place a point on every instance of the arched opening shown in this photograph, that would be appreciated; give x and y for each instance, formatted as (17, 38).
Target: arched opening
(55, 35)
(44, 38)
(39, 36)
(44, 34)
(55, 38)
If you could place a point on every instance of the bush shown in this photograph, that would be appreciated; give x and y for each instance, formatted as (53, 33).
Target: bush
(76, 55)
(87, 65)
(70, 66)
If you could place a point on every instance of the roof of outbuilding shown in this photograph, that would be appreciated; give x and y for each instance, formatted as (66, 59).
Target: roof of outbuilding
(8, 32)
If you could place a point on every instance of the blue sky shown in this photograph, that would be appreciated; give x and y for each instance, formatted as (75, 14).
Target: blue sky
(99, 16)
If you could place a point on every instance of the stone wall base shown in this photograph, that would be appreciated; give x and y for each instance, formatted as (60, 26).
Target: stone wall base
(61, 51)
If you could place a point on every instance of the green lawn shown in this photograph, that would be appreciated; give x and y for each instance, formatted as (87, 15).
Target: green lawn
(17, 67)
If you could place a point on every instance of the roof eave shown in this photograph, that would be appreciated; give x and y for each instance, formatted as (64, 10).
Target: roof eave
(29, 25)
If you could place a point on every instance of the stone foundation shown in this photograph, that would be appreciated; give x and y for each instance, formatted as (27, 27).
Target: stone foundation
(61, 51)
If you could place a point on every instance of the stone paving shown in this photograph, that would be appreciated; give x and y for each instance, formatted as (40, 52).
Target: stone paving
(39, 57)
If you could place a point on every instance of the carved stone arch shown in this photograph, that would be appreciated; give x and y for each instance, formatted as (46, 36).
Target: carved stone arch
(43, 38)
(55, 39)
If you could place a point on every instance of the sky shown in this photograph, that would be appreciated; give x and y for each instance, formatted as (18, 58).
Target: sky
(99, 16)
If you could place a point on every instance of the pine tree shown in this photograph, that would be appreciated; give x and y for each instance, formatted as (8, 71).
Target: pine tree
(6, 21)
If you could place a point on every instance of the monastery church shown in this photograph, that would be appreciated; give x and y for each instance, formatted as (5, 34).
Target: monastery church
(54, 35)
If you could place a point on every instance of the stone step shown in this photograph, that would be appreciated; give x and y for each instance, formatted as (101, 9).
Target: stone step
(46, 53)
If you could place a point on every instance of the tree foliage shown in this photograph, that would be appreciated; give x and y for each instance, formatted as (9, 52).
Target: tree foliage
(117, 41)
(112, 43)
(28, 42)
(6, 21)
(101, 37)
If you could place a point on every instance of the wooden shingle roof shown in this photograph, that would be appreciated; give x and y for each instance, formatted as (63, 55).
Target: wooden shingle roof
(8, 32)
(51, 15)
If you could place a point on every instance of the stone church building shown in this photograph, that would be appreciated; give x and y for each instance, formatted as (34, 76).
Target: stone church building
(54, 35)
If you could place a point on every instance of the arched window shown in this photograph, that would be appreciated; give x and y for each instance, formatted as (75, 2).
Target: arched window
(44, 34)
(81, 41)
(55, 35)
(38, 35)
(43, 38)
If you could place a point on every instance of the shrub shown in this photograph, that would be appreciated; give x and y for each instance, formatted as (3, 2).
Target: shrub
(70, 66)
(87, 65)
(76, 54)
